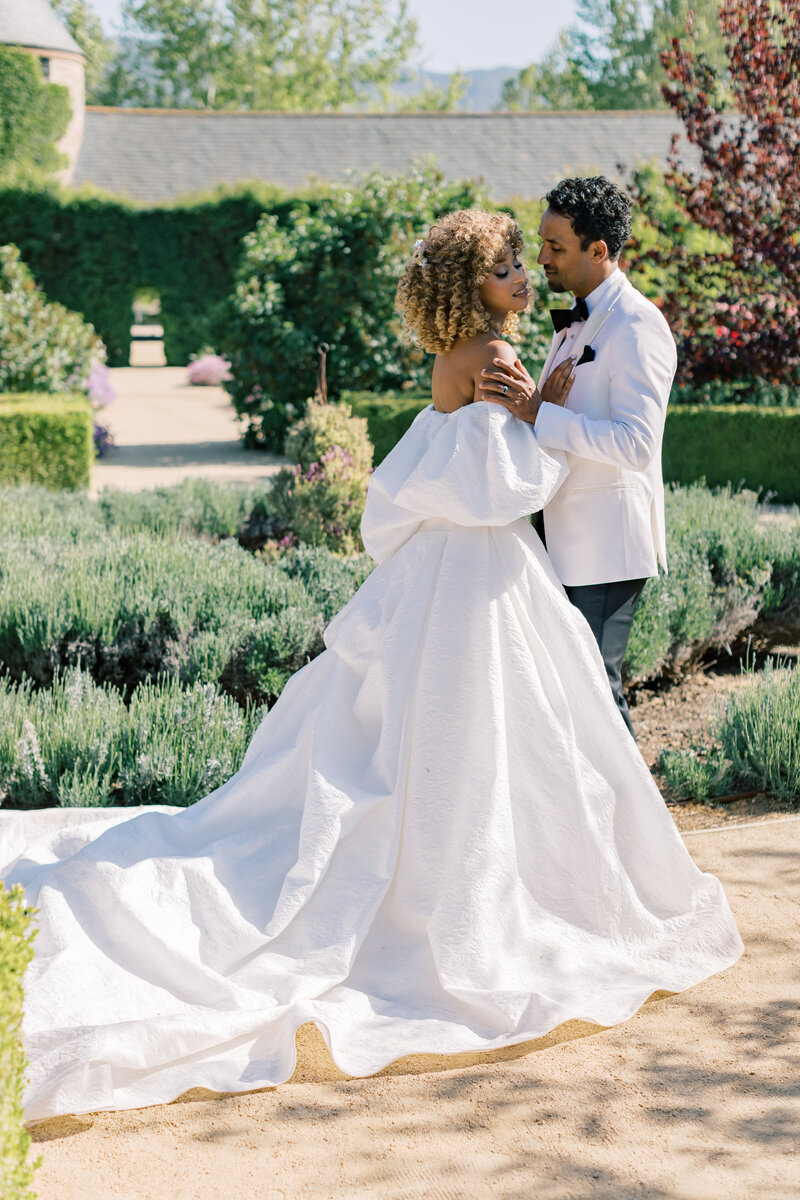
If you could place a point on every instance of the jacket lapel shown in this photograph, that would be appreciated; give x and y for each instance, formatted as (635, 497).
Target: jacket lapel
(591, 328)
(558, 338)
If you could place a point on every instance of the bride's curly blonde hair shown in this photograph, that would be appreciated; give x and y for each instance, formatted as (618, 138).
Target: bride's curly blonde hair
(439, 293)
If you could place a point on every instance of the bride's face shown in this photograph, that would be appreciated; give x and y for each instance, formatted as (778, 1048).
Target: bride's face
(505, 288)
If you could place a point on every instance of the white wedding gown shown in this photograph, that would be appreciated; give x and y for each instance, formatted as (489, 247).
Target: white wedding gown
(442, 837)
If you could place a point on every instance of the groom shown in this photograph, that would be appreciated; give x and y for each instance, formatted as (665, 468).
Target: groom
(604, 528)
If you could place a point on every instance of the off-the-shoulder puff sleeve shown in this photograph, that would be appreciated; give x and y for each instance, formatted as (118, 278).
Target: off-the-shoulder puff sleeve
(476, 466)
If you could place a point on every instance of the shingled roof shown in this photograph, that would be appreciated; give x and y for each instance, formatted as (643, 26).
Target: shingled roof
(153, 155)
(33, 23)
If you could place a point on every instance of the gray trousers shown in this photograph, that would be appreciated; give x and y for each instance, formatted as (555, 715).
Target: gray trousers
(609, 609)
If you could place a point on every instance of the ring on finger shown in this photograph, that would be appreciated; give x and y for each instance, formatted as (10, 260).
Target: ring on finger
(504, 389)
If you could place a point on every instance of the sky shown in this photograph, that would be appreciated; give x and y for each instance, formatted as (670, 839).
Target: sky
(468, 34)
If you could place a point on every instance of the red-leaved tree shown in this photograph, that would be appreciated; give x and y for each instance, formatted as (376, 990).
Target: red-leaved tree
(734, 311)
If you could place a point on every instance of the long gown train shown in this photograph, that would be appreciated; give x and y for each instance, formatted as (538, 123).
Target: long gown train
(442, 837)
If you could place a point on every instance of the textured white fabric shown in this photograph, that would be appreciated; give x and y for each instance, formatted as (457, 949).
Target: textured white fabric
(442, 837)
(607, 522)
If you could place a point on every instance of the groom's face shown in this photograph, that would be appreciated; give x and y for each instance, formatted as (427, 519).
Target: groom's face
(567, 266)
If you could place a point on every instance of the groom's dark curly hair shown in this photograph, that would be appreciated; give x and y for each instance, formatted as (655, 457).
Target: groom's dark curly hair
(598, 209)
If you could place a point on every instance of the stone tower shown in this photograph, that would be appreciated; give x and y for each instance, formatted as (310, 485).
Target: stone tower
(33, 26)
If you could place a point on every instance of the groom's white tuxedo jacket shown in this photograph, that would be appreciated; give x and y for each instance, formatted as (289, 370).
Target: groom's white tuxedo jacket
(606, 521)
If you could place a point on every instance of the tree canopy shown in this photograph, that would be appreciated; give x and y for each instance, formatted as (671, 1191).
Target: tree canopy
(610, 57)
(280, 55)
(734, 310)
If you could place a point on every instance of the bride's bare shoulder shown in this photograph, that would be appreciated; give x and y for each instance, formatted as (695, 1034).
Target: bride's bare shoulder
(457, 373)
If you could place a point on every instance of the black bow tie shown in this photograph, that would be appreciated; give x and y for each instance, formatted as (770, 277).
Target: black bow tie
(563, 317)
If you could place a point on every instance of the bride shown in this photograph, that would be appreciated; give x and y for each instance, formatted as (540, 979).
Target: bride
(442, 837)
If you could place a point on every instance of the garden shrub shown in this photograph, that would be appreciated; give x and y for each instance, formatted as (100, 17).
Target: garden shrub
(132, 608)
(322, 506)
(144, 599)
(324, 426)
(43, 346)
(46, 440)
(328, 275)
(738, 444)
(207, 370)
(329, 579)
(188, 252)
(194, 507)
(16, 951)
(179, 744)
(724, 572)
(320, 500)
(81, 249)
(92, 251)
(756, 743)
(762, 393)
(76, 744)
(30, 512)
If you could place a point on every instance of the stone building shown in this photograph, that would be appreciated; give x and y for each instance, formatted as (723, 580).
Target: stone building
(33, 26)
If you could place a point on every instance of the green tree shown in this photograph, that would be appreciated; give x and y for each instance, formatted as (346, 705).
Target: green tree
(311, 55)
(85, 26)
(610, 58)
(33, 116)
(554, 83)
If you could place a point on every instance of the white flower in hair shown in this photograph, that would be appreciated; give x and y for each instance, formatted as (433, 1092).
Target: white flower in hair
(418, 254)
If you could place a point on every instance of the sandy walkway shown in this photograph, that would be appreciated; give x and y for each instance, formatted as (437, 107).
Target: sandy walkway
(697, 1097)
(166, 430)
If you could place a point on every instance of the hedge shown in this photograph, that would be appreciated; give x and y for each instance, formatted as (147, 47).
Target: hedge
(16, 951)
(92, 252)
(388, 414)
(757, 447)
(82, 252)
(47, 440)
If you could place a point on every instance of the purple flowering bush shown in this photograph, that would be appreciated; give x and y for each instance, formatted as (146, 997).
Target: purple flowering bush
(322, 504)
(320, 500)
(101, 392)
(208, 370)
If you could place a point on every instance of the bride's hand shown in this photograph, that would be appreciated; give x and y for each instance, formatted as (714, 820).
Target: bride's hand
(511, 386)
(555, 388)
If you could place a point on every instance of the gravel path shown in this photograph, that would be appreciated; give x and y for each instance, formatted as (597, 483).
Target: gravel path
(166, 430)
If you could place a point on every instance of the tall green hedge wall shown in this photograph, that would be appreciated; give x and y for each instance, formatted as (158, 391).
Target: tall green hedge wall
(92, 253)
(735, 443)
(751, 445)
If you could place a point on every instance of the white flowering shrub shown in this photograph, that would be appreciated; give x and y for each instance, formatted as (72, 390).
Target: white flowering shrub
(43, 346)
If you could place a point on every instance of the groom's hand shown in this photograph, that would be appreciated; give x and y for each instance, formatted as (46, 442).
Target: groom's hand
(512, 387)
